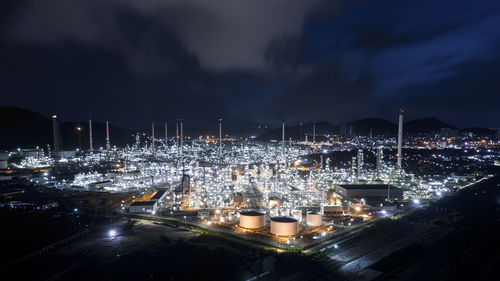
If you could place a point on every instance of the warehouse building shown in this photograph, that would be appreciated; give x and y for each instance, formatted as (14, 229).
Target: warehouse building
(348, 191)
(159, 196)
(149, 207)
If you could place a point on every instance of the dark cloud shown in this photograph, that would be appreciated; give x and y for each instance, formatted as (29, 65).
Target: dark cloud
(252, 61)
(326, 94)
(223, 34)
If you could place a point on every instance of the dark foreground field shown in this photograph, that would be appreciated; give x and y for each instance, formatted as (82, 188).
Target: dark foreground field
(471, 251)
(146, 251)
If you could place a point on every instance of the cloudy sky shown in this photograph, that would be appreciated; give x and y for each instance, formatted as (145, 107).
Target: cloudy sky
(252, 62)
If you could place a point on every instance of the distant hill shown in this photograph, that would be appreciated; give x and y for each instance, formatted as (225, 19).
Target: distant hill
(425, 125)
(380, 126)
(362, 127)
(294, 132)
(23, 128)
(479, 131)
(27, 129)
(118, 136)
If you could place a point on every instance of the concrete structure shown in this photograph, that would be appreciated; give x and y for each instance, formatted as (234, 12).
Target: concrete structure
(314, 219)
(284, 226)
(348, 191)
(252, 219)
(144, 207)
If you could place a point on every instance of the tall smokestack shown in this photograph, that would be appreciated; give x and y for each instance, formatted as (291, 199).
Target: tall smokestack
(182, 132)
(371, 133)
(220, 132)
(91, 144)
(108, 144)
(166, 134)
(300, 137)
(314, 132)
(177, 131)
(57, 135)
(400, 139)
(152, 136)
(283, 134)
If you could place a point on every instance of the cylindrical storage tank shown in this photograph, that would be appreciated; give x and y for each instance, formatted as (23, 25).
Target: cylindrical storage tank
(274, 212)
(284, 226)
(297, 214)
(252, 219)
(314, 219)
(284, 212)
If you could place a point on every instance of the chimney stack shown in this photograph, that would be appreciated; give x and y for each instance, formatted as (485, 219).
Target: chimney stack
(399, 156)
(108, 144)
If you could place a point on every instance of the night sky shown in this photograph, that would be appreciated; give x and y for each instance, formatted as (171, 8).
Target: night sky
(252, 62)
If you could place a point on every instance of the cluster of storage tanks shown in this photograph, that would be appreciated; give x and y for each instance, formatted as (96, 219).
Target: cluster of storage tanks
(280, 225)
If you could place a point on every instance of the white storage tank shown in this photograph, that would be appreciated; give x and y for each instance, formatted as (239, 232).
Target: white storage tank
(284, 212)
(274, 212)
(252, 219)
(314, 219)
(297, 214)
(284, 226)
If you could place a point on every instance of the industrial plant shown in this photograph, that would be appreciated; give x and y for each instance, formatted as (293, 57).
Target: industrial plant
(286, 192)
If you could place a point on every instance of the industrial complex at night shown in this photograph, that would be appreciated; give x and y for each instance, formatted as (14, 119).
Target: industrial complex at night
(250, 140)
(307, 194)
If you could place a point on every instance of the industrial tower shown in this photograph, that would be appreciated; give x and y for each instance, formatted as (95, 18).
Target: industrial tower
(108, 144)
(152, 136)
(57, 134)
(399, 156)
(91, 144)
